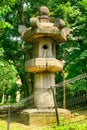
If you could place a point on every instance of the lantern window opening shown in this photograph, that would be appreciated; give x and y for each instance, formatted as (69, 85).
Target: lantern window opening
(45, 47)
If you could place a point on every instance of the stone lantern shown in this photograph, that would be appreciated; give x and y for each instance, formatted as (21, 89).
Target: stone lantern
(44, 35)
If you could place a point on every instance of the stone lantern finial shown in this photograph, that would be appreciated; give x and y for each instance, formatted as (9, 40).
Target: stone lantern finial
(43, 10)
(43, 14)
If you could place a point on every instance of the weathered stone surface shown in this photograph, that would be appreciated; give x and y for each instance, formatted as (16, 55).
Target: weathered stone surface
(43, 97)
(44, 30)
(22, 29)
(43, 10)
(65, 31)
(34, 21)
(43, 116)
(59, 23)
(43, 64)
(42, 27)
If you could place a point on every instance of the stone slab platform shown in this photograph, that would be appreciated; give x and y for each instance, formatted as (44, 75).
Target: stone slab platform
(43, 116)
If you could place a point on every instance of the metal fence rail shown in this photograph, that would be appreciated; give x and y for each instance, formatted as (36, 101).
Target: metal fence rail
(71, 80)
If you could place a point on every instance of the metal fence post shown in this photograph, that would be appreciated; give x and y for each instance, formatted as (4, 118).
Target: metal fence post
(55, 105)
(8, 121)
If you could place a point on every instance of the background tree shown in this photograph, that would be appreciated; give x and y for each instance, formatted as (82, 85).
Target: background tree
(8, 79)
(18, 12)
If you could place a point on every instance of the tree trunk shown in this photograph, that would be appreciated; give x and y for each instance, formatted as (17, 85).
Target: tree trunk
(3, 96)
(64, 90)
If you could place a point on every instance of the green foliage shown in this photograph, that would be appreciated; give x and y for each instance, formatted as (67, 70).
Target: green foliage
(83, 55)
(5, 8)
(18, 126)
(73, 126)
(73, 51)
(7, 79)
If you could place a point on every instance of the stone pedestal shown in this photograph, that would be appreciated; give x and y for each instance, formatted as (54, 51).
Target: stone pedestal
(43, 116)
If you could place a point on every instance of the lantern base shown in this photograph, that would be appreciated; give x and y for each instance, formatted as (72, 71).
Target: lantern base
(43, 116)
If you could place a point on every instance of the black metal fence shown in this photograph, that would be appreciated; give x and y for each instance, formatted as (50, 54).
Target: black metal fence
(72, 95)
